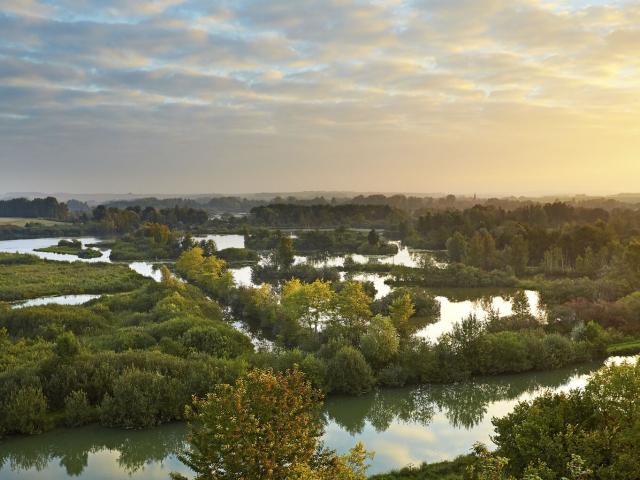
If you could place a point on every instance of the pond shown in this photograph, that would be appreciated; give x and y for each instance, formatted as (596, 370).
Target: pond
(30, 245)
(408, 425)
(405, 257)
(223, 240)
(452, 311)
(56, 300)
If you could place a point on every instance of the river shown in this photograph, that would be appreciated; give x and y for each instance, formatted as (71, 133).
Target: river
(402, 426)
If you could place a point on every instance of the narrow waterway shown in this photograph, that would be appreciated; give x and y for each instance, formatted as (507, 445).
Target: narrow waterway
(402, 426)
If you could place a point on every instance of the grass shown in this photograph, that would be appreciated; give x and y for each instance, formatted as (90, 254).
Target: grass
(630, 347)
(25, 276)
(21, 222)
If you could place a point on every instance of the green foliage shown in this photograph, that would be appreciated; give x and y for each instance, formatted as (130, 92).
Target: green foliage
(72, 247)
(152, 241)
(452, 275)
(26, 411)
(94, 361)
(142, 399)
(457, 248)
(219, 340)
(209, 273)
(39, 278)
(401, 310)
(595, 430)
(67, 346)
(380, 343)
(285, 252)
(450, 470)
(349, 372)
(77, 410)
(238, 256)
(265, 426)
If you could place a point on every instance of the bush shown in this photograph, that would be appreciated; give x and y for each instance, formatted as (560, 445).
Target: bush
(380, 343)
(220, 341)
(77, 410)
(349, 372)
(26, 411)
(142, 399)
(67, 346)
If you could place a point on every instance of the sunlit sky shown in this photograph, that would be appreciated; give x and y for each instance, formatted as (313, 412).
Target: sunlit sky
(462, 96)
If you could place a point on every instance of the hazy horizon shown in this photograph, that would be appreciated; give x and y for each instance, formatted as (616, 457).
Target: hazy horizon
(479, 96)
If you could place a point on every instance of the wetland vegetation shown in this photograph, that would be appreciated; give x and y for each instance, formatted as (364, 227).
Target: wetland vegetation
(135, 356)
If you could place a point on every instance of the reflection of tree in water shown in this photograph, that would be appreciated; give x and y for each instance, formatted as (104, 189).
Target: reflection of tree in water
(72, 448)
(464, 404)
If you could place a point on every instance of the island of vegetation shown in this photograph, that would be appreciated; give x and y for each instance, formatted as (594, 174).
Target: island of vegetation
(72, 247)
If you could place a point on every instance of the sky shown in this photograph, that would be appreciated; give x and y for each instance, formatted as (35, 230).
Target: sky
(199, 96)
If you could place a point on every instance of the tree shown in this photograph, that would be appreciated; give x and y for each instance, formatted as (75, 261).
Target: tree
(482, 249)
(265, 426)
(349, 372)
(518, 254)
(190, 262)
(373, 238)
(580, 431)
(380, 343)
(285, 254)
(520, 305)
(308, 303)
(353, 308)
(26, 411)
(77, 410)
(457, 248)
(401, 310)
(67, 346)
(187, 242)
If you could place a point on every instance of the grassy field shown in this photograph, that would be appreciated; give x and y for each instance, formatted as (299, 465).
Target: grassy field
(25, 276)
(21, 222)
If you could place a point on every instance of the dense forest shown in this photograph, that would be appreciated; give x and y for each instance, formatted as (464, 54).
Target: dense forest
(48, 208)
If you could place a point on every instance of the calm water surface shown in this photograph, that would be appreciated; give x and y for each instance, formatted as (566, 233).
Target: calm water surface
(408, 425)
(223, 241)
(452, 311)
(29, 245)
(56, 300)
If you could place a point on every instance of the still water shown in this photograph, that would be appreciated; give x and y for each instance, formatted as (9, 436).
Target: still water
(30, 245)
(223, 241)
(56, 300)
(452, 311)
(402, 426)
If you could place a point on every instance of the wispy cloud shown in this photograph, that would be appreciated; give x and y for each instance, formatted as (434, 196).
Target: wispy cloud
(269, 80)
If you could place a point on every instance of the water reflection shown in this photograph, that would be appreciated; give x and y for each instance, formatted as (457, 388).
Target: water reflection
(452, 311)
(434, 422)
(94, 453)
(408, 425)
(30, 245)
(147, 269)
(56, 300)
(405, 257)
(223, 240)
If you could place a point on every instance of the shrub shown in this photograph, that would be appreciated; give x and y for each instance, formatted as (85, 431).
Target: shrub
(26, 411)
(349, 372)
(77, 410)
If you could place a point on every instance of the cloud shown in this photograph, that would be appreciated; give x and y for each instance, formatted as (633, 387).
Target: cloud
(416, 74)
